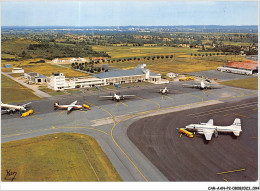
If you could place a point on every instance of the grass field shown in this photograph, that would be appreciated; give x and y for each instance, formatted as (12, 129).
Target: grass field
(248, 83)
(179, 64)
(44, 68)
(57, 157)
(51, 92)
(16, 45)
(124, 52)
(12, 91)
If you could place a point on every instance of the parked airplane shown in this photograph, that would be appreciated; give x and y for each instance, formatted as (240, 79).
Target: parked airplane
(208, 128)
(164, 91)
(12, 108)
(71, 106)
(202, 85)
(116, 97)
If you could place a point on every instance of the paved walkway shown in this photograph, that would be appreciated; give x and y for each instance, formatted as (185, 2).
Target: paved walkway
(36, 90)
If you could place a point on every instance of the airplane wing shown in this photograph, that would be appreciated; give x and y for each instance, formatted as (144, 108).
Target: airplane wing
(213, 86)
(128, 95)
(208, 134)
(125, 96)
(210, 122)
(191, 85)
(107, 96)
(25, 105)
(70, 108)
(73, 103)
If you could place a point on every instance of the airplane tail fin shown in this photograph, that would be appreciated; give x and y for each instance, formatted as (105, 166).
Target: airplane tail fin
(56, 104)
(237, 127)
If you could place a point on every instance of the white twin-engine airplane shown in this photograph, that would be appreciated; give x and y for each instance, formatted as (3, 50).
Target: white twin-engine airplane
(116, 97)
(12, 108)
(208, 128)
(202, 85)
(71, 106)
(164, 91)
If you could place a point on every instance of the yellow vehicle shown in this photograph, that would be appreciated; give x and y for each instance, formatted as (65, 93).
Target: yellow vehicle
(190, 78)
(187, 78)
(187, 133)
(27, 113)
(86, 106)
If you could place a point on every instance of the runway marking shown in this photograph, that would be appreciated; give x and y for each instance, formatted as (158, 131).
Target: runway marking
(253, 137)
(123, 103)
(61, 112)
(225, 180)
(220, 110)
(232, 97)
(202, 99)
(36, 117)
(210, 92)
(117, 104)
(159, 106)
(255, 109)
(180, 135)
(83, 128)
(241, 92)
(90, 164)
(231, 171)
(226, 115)
(168, 97)
(237, 114)
(52, 127)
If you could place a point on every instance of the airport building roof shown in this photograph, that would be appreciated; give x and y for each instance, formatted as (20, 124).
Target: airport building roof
(247, 64)
(8, 66)
(119, 73)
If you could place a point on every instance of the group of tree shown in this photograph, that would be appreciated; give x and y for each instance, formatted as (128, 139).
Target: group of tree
(89, 67)
(140, 58)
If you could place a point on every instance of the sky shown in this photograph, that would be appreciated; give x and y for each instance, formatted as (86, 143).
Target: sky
(125, 13)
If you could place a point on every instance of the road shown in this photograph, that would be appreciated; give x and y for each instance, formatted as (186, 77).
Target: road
(108, 121)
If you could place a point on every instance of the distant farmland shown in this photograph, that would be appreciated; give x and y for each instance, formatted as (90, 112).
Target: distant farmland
(124, 51)
(181, 64)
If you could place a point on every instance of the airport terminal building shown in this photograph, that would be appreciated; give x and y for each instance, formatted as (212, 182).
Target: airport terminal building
(129, 76)
(58, 82)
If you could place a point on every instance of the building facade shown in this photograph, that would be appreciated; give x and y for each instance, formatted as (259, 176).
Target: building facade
(34, 77)
(57, 81)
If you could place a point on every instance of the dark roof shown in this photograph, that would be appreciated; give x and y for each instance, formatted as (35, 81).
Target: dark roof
(119, 73)
(8, 66)
(33, 73)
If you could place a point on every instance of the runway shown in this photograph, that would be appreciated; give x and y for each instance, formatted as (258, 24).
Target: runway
(107, 121)
(181, 158)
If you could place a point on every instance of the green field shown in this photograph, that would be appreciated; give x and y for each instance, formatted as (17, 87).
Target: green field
(125, 52)
(16, 46)
(44, 68)
(12, 92)
(57, 157)
(179, 64)
(248, 83)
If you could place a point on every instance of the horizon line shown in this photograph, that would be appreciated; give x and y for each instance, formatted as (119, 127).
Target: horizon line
(117, 25)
